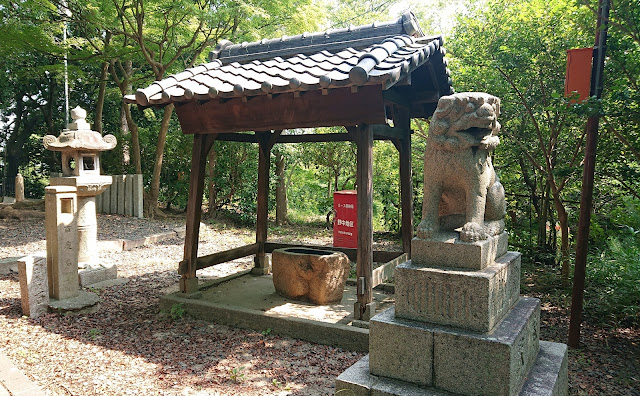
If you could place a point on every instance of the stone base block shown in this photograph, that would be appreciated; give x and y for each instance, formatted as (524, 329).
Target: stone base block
(495, 363)
(446, 249)
(261, 265)
(548, 377)
(472, 300)
(89, 276)
(454, 360)
(34, 285)
(84, 302)
(400, 349)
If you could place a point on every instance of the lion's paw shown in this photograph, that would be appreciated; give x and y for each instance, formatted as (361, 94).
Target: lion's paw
(472, 232)
(426, 229)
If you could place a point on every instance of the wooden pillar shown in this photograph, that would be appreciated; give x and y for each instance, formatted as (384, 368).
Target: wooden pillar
(201, 146)
(403, 121)
(364, 307)
(261, 265)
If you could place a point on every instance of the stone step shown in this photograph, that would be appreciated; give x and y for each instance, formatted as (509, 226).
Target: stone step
(469, 299)
(548, 377)
(456, 360)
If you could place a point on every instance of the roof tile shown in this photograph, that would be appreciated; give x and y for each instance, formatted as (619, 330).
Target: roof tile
(337, 58)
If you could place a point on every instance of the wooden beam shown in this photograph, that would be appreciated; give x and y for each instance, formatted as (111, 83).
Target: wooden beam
(402, 119)
(384, 131)
(222, 257)
(201, 146)
(364, 264)
(387, 270)
(237, 137)
(315, 138)
(339, 107)
(398, 97)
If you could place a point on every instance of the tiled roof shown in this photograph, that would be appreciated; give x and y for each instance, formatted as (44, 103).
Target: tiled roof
(382, 54)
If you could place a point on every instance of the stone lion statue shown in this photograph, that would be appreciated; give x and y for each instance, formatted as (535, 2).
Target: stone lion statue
(461, 188)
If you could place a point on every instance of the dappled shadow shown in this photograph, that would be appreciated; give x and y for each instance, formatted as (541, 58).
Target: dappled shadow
(188, 351)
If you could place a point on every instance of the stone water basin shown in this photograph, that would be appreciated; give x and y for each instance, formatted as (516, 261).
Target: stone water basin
(310, 274)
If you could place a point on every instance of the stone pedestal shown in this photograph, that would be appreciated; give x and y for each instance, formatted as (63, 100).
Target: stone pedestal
(62, 246)
(459, 327)
(88, 186)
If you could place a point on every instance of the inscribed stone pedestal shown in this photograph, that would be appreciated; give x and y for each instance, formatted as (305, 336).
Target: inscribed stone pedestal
(473, 300)
(62, 241)
(34, 285)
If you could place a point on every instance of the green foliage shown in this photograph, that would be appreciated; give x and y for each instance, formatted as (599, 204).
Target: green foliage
(612, 295)
(93, 333)
(236, 375)
(177, 311)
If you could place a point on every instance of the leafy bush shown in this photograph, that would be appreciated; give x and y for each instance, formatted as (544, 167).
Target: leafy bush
(613, 276)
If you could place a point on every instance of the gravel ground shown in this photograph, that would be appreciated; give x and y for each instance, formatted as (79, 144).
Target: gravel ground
(130, 347)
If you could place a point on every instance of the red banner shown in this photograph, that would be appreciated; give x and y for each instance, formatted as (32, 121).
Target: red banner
(345, 219)
(578, 77)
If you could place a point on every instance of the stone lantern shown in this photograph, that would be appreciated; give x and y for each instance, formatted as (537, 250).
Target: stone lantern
(80, 148)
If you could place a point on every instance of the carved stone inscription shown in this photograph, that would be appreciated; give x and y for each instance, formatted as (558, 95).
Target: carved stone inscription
(62, 245)
(474, 300)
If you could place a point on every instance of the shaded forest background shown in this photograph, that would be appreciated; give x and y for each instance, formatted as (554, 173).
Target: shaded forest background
(514, 49)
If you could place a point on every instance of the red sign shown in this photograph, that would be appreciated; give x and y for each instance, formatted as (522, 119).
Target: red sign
(578, 72)
(345, 219)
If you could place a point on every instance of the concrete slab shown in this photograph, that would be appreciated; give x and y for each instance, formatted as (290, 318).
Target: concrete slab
(89, 276)
(109, 283)
(548, 377)
(251, 302)
(9, 264)
(13, 382)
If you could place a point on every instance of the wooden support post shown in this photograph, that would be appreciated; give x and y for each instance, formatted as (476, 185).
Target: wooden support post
(201, 146)
(364, 307)
(586, 196)
(266, 140)
(403, 121)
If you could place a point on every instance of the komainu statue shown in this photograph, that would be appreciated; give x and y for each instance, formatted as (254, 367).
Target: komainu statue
(461, 188)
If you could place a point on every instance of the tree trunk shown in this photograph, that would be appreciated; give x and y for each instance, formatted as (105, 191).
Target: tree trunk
(135, 141)
(152, 197)
(563, 219)
(543, 219)
(281, 191)
(97, 123)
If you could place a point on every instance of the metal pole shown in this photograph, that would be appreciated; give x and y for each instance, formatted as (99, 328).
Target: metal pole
(582, 242)
(67, 12)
